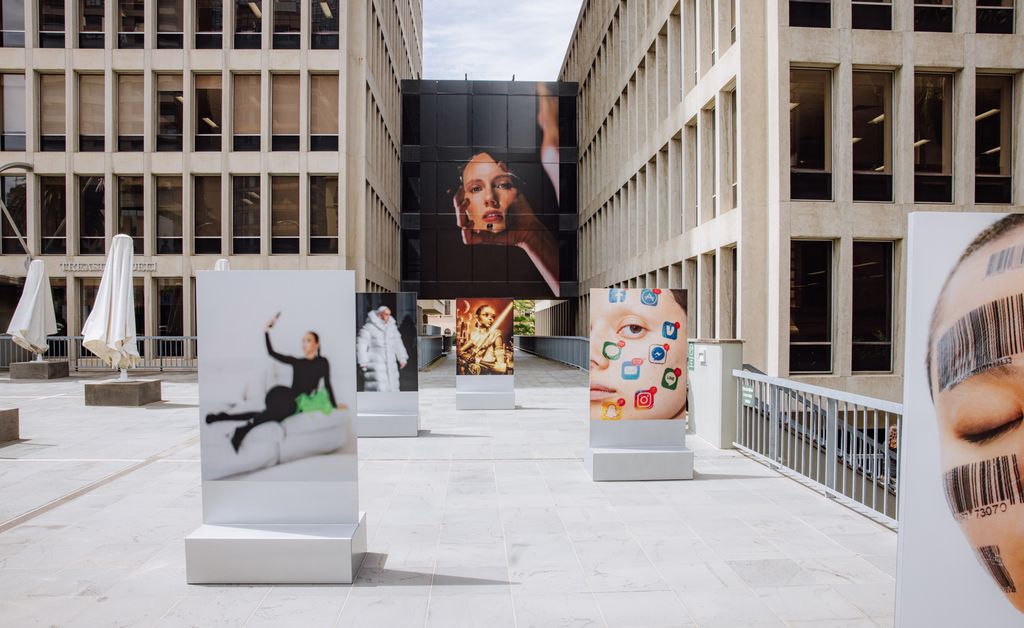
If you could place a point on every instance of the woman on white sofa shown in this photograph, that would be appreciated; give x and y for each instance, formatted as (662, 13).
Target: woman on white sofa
(380, 352)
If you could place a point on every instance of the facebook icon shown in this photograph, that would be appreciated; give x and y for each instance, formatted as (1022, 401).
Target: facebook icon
(616, 295)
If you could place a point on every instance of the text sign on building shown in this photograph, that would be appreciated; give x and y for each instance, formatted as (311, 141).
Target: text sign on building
(489, 204)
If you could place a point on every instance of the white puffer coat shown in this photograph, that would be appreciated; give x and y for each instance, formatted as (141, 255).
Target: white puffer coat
(379, 350)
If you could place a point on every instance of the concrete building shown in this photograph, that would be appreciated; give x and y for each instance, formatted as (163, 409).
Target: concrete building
(765, 155)
(263, 131)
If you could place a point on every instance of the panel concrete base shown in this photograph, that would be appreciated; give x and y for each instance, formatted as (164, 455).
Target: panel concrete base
(134, 392)
(9, 425)
(47, 369)
(616, 464)
(275, 554)
(386, 424)
(485, 400)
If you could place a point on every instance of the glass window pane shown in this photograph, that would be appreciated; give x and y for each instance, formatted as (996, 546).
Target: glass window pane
(993, 115)
(247, 104)
(130, 204)
(51, 104)
(90, 104)
(51, 16)
(323, 214)
(209, 99)
(286, 16)
(130, 93)
(53, 215)
(323, 105)
(90, 16)
(206, 222)
(810, 308)
(933, 118)
(12, 190)
(12, 90)
(209, 16)
(872, 137)
(810, 134)
(170, 312)
(131, 16)
(248, 24)
(12, 23)
(872, 306)
(91, 215)
(168, 215)
(170, 16)
(324, 19)
(284, 104)
(284, 214)
(245, 215)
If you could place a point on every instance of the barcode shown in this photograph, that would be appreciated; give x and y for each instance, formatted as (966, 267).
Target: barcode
(986, 337)
(994, 563)
(981, 484)
(1007, 259)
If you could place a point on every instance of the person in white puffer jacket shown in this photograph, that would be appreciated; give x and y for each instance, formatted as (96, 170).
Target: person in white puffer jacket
(380, 352)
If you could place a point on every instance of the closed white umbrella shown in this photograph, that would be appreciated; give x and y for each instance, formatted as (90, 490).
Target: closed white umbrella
(34, 318)
(110, 330)
(222, 264)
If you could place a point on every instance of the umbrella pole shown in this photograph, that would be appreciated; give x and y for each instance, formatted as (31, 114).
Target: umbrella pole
(39, 357)
(124, 375)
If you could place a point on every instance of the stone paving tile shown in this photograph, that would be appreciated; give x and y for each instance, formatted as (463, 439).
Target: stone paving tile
(488, 518)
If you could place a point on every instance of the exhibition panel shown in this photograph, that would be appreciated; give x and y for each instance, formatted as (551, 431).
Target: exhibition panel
(484, 354)
(386, 377)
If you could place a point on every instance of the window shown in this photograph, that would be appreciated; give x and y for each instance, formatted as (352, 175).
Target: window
(248, 24)
(810, 134)
(209, 24)
(52, 123)
(53, 215)
(12, 191)
(323, 112)
(812, 13)
(323, 215)
(284, 214)
(12, 23)
(208, 111)
(810, 307)
(206, 221)
(90, 23)
(872, 136)
(872, 14)
(287, 24)
(170, 24)
(995, 16)
(324, 18)
(168, 215)
(934, 16)
(51, 23)
(89, 286)
(284, 122)
(246, 107)
(131, 24)
(170, 102)
(872, 306)
(733, 130)
(12, 90)
(130, 112)
(245, 215)
(90, 113)
(933, 138)
(91, 215)
(130, 206)
(170, 314)
(993, 139)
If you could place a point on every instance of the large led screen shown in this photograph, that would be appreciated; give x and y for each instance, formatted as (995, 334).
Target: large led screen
(489, 189)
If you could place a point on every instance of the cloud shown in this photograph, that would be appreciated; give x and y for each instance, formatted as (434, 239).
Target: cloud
(492, 39)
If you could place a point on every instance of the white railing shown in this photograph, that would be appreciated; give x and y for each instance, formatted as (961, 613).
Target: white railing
(159, 353)
(571, 350)
(845, 443)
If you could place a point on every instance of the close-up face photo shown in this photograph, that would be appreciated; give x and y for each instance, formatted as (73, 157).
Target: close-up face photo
(488, 191)
(637, 354)
(976, 376)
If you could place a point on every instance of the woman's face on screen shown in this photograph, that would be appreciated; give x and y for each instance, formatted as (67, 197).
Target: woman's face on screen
(977, 379)
(310, 345)
(489, 190)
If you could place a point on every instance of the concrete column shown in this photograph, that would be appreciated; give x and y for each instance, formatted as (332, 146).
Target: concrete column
(842, 133)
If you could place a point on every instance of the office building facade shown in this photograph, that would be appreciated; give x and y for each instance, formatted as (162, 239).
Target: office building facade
(765, 155)
(264, 131)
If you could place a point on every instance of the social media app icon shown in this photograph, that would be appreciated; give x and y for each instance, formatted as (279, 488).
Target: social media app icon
(670, 330)
(649, 297)
(670, 378)
(612, 350)
(644, 399)
(658, 354)
(611, 411)
(616, 295)
(631, 369)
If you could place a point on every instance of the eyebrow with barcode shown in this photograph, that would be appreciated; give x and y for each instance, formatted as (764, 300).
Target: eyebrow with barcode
(993, 561)
(985, 338)
(1008, 259)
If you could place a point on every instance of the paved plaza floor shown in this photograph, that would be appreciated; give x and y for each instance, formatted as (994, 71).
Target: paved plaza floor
(488, 519)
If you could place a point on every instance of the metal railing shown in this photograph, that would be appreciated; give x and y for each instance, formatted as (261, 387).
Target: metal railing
(429, 349)
(845, 443)
(571, 350)
(159, 353)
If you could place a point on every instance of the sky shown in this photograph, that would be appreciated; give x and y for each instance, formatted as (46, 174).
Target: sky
(494, 39)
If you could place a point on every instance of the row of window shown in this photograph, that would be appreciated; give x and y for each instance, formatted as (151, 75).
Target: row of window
(286, 17)
(811, 306)
(811, 137)
(165, 198)
(169, 117)
(169, 310)
(930, 16)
